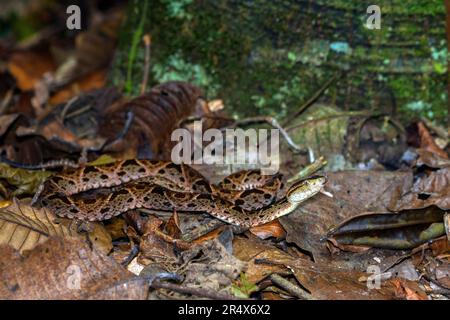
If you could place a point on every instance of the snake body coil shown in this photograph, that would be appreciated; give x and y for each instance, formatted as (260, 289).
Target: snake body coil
(96, 193)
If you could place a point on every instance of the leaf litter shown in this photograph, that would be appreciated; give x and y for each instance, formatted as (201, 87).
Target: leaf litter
(388, 215)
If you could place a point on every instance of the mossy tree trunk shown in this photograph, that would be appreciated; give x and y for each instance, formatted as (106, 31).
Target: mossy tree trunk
(268, 57)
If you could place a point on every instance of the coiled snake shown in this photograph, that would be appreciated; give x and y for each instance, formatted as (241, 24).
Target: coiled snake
(246, 198)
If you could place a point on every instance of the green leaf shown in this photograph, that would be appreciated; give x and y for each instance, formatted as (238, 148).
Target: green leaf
(244, 288)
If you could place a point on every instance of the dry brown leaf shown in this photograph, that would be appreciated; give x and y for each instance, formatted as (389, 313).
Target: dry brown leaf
(210, 235)
(442, 274)
(347, 247)
(323, 280)
(427, 142)
(246, 248)
(23, 227)
(173, 226)
(156, 114)
(91, 81)
(409, 290)
(116, 228)
(258, 271)
(440, 246)
(271, 229)
(252, 248)
(155, 245)
(433, 189)
(6, 121)
(400, 230)
(28, 67)
(215, 270)
(65, 269)
(431, 159)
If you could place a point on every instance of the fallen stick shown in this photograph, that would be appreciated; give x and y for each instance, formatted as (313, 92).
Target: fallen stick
(201, 293)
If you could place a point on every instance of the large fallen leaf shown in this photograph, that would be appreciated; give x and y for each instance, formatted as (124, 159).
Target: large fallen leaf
(322, 128)
(403, 230)
(65, 269)
(23, 227)
(353, 192)
(322, 280)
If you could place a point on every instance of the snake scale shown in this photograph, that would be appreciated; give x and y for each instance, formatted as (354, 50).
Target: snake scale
(95, 193)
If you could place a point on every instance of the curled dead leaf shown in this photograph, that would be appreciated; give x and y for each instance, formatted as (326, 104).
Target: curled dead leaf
(427, 142)
(408, 290)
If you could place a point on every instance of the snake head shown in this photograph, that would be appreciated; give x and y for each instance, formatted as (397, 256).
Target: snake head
(305, 189)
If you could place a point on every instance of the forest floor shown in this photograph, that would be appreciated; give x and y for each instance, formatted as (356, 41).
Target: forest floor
(379, 229)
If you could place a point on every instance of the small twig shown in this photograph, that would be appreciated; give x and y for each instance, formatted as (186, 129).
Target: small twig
(244, 122)
(444, 292)
(293, 289)
(183, 122)
(67, 106)
(202, 293)
(268, 262)
(147, 42)
(309, 170)
(163, 276)
(133, 253)
(40, 166)
(440, 289)
(6, 100)
(202, 230)
(447, 225)
(272, 122)
(345, 114)
(311, 100)
(123, 132)
(78, 112)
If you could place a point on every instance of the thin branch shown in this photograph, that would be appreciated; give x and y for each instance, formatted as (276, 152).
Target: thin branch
(345, 114)
(147, 42)
(40, 166)
(202, 230)
(293, 289)
(133, 253)
(247, 121)
(311, 100)
(274, 123)
(309, 170)
(201, 293)
(67, 106)
(6, 100)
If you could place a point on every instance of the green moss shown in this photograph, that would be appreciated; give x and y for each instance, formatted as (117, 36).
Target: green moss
(262, 57)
